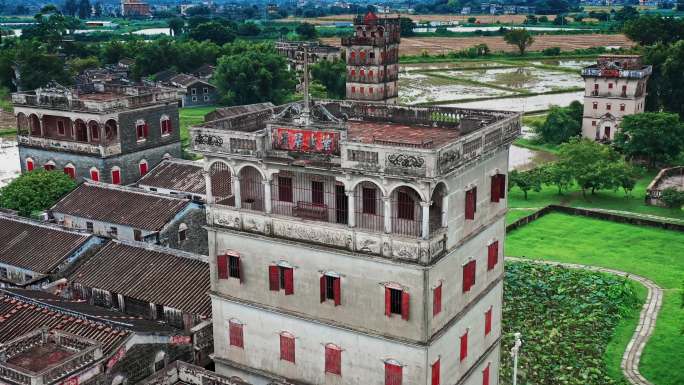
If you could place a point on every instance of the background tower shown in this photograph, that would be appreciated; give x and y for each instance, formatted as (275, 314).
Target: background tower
(373, 59)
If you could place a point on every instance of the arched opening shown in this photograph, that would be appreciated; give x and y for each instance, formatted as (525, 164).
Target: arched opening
(94, 128)
(111, 130)
(70, 170)
(368, 206)
(34, 125)
(437, 207)
(49, 166)
(159, 361)
(22, 124)
(221, 184)
(30, 165)
(182, 232)
(165, 124)
(116, 175)
(406, 215)
(81, 130)
(95, 174)
(251, 189)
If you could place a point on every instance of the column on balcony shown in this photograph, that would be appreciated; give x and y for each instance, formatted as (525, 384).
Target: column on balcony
(388, 213)
(425, 224)
(207, 184)
(267, 194)
(351, 209)
(236, 191)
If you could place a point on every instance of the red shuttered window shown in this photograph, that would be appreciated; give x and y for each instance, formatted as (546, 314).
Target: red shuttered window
(464, 346)
(166, 127)
(70, 171)
(116, 177)
(95, 175)
(331, 289)
(485, 375)
(143, 168)
(498, 187)
(287, 347)
(281, 277)
(222, 266)
(437, 300)
(492, 255)
(488, 321)
(435, 372)
(397, 302)
(333, 359)
(471, 203)
(468, 275)
(393, 374)
(29, 165)
(235, 267)
(235, 334)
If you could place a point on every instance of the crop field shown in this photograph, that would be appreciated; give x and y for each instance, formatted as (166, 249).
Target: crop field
(568, 319)
(650, 252)
(444, 45)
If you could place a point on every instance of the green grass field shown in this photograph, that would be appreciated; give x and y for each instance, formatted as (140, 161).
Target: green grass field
(190, 116)
(650, 252)
(612, 200)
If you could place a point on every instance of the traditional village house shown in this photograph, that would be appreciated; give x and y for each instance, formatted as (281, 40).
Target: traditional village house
(34, 254)
(133, 214)
(176, 177)
(614, 87)
(393, 212)
(101, 131)
(193, 90)
(47, 340)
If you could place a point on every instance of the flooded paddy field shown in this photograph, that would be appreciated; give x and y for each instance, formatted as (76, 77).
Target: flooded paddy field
(522, 103)
(526, 79)
(9, 161)
(417, 88)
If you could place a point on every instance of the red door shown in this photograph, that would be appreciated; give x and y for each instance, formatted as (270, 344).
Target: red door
(29, 165)
(95, 175)
(143, 169)
(116, 176)
(70, 171)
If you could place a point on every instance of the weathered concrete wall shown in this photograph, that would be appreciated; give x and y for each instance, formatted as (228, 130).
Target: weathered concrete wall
(125, 233)
(152, 116)
(196, 241)
(139, 361)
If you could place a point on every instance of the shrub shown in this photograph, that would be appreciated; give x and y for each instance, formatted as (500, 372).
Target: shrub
(672, 198)
(35, 191)
(472, 20)
(551, 51)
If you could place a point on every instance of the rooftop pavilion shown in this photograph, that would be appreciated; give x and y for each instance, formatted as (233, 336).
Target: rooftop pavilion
(618, 66)
(94, 97)
(345, 167)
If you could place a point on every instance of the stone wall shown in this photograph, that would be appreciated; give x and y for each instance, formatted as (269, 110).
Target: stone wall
(151, 115)
(196, 242)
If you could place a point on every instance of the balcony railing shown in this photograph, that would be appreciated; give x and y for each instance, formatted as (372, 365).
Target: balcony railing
(83, 104)
(72, 146)
(617, 73)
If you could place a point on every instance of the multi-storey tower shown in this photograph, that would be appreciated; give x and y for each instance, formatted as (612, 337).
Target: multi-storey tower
(104, 132)
(614, 87)
(373, 59)
(357, 243)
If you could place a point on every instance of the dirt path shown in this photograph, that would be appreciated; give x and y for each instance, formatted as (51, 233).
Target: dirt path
(647, 318)
(439, 45)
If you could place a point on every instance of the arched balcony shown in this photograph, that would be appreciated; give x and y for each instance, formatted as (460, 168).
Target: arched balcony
(251, 190)
(220, 180)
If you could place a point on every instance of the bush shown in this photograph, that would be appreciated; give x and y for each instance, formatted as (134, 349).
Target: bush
(672, 198)
(472, 20)
(35, 191)
(552, 51)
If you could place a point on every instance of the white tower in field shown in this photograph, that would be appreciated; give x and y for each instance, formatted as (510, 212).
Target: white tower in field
(614, 87)
(357, 243)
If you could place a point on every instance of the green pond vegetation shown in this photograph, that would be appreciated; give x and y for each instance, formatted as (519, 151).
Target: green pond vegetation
(650, 252)
(568, 319)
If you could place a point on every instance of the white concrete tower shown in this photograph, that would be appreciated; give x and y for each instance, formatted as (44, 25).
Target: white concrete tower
(362, 245)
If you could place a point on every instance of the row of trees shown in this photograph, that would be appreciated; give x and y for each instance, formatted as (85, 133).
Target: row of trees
(582, 162)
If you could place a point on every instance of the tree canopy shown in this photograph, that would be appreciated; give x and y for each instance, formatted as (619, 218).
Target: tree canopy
(333, 76)
(519, 37)
(214, 32)
(561, 124)
(255, 75)
(656, 136)
(35, 191)
(306, 31)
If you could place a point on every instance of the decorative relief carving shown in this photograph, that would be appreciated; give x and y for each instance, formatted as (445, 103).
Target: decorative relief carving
(209, 140)
(449, 159)
(367, 244)
(227, 219)
(405, 250)
(405, 161)
(255, 224)
(311, 234)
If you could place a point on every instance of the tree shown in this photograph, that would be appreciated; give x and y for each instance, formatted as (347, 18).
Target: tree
(306, 31)
(407, 25)
(176, 26)
(213, 31)
(84, 9)
(248, 29)
(519, 37)
(531, 19)
(560, 20)
(198, 10)
(561, 124)
(651, 29)
(37, 66)
(35, 191)
(256, 75)
(526, 180)
(626, 13)
(78, 65)
(591, 163)
(672, 198)
(97, 9)
(333, 76)
(656, 136)
(672, 79)
(556, 174)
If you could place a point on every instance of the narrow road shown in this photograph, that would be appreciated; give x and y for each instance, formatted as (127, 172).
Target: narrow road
(647, 318)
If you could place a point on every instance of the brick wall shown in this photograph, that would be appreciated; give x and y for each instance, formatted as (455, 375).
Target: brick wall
(196, 241)
(151, 115)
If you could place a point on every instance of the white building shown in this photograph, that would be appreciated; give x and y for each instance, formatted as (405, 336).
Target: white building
(614, 87)
(357, 243)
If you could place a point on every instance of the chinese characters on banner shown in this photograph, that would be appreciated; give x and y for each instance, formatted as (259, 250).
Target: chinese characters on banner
(306, 140)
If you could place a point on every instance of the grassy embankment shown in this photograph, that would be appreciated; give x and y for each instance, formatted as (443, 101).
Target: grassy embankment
(190, 116)
(650, 252)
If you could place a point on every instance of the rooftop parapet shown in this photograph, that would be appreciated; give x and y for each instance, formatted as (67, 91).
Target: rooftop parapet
(96, 97)
(595, 71)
